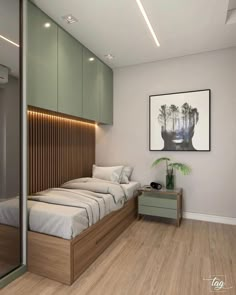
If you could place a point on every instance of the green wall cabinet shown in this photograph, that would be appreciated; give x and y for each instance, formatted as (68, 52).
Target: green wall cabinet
(64, 76)
(42, 60)
(97, 89)
(91, 90)
(70, 71)
(106, 94)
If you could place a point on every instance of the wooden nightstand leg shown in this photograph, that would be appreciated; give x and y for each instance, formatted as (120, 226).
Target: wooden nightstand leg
(179, 209)
(178, 221)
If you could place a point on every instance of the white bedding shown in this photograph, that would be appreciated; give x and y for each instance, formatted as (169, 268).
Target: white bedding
(64, 212)
(130, 189)
(9, 212)
(75, 211)
(51, 219)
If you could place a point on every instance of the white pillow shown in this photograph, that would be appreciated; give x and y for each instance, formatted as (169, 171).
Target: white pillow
(112, 173)
(126, 174)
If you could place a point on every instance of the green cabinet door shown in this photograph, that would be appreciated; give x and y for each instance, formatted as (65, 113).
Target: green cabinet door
(70, 71)
(106, 94)
(91, 89)
(42, 60)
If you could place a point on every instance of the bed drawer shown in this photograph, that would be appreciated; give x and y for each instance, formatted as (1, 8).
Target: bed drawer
(157, 202)
(88, 248)
(155, 211)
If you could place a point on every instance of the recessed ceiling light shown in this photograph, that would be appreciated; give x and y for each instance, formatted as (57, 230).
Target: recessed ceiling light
(8, 40)
(47, 25)
(70, 19)
(148, 22)
(91, 59)
(109, 56)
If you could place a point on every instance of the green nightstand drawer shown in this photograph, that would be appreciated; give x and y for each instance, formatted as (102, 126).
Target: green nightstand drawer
(160, 212)
(155, 201)
(159, 194)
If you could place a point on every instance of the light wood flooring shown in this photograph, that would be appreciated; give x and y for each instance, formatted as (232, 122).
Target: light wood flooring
(151, 258)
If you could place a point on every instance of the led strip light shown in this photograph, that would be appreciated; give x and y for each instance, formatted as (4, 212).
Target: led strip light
(140, 5)
(4, 38)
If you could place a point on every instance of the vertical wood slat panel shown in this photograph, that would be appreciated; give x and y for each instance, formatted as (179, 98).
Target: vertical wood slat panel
(60, 149)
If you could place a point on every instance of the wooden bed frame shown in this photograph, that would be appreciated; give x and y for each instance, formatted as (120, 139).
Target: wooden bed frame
(65, 260)
(60, 149)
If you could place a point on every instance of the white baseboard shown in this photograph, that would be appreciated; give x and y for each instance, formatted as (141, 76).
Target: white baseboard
(210, 218)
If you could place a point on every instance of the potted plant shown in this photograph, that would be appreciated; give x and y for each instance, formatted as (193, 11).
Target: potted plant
(170, 166)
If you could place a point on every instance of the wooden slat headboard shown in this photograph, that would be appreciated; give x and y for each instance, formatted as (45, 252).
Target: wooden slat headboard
(59, 149)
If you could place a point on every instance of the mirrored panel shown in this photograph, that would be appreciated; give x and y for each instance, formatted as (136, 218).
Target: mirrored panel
(10, 109)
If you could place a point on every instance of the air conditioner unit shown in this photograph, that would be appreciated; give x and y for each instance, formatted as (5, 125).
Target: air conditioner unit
(4, 71)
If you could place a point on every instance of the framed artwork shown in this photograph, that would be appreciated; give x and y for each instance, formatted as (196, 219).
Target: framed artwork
(180, 121)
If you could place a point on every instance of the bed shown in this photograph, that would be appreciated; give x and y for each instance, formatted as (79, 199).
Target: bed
(70, 226)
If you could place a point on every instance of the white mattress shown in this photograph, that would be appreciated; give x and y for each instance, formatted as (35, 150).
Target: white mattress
(9, 212)
(58, 220)
(61, 221)
(130, 189)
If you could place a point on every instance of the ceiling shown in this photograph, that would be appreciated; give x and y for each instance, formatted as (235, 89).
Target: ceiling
(183, 27)
(9, 28)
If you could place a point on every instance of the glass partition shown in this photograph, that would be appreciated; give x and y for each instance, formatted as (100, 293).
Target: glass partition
(10, 137)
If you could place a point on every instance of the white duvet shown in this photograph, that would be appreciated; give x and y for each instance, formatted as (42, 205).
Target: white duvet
(65, 212)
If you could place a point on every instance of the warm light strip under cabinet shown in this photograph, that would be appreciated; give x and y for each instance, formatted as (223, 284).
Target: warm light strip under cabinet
(54, 117)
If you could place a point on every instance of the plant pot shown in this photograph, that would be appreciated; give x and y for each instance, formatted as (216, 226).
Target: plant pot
(170, 183)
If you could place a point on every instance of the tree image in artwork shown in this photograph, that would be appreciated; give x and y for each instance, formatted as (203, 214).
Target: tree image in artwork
(177, 126)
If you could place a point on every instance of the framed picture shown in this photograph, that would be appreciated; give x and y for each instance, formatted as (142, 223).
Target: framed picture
(180, 121)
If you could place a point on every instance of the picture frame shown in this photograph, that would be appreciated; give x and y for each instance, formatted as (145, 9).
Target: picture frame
(180, 121)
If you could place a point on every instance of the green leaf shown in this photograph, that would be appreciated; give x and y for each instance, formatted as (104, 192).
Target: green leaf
(158, 161)
(184, 169)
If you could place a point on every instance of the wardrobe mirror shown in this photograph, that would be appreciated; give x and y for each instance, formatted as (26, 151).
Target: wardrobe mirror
(10, 137)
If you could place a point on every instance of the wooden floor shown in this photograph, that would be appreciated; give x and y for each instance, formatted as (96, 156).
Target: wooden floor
(151, 258)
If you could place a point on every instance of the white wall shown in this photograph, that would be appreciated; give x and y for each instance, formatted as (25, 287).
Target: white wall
(210, 189)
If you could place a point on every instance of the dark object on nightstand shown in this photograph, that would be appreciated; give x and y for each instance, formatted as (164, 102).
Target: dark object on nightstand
(156, 185)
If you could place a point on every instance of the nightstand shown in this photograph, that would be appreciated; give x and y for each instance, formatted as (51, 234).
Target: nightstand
(161, 203)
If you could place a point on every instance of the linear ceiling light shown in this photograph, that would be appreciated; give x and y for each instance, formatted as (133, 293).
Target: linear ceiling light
(147, 22)
(17, 45)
